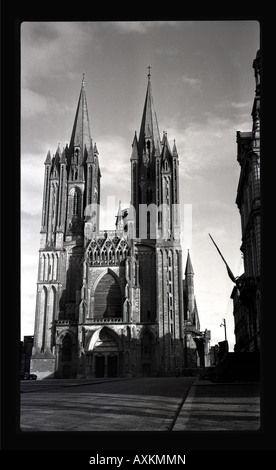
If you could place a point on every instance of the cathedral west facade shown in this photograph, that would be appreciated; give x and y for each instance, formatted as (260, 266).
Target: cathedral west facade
(112, 303)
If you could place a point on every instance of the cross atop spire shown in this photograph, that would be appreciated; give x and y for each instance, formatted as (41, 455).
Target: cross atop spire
(83, 75)
(149, 75)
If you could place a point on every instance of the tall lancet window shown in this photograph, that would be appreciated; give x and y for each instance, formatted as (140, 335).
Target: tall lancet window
(74, 209)
(76, 156)
(75, 202)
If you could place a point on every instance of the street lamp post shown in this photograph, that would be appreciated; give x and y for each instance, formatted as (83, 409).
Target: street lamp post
(224, 324)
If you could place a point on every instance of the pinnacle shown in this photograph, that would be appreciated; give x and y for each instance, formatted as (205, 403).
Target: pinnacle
(189, 267)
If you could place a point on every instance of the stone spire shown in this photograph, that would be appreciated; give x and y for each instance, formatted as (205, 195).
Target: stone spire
(119, 219)
(189, 288)
(174, 152)
(189, 268)
(81, 129)
(149, 130)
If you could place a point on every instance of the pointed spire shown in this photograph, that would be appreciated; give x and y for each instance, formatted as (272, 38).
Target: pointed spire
(58, 152)
(56, 158)
(134, 153)
(149, 126)
(119, 218)
(95, 149)
(165, 143)
(119, 213)
(196, 316)
(174, 152)
(62, 158)
(81, 128)
(48, 160)
(189, 267)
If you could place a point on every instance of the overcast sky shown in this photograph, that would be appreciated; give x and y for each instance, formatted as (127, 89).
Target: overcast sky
(203, 90)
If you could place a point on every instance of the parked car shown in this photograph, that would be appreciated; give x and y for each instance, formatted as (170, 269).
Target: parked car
(27, 376)
(32, 377)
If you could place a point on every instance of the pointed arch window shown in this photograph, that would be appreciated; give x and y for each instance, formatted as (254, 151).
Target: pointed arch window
(108, 298)
(76, 155)
(75, 203)
(89, 184)
(149, 196)
(43, 310)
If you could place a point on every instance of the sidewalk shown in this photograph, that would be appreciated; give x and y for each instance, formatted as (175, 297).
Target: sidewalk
(220, 407)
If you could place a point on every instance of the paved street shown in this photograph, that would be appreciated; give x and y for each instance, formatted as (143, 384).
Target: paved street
(142, 404)
(220, 407)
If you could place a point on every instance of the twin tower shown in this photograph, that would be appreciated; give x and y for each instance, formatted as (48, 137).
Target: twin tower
(113, 303)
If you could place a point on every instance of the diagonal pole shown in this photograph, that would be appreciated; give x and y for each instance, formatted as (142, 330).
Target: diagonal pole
(230, 274)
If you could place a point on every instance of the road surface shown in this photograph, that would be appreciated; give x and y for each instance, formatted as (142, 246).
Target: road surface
(138, 404)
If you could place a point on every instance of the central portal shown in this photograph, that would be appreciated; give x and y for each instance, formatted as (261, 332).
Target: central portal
(106, 354)
(112, 368)
(99, 366)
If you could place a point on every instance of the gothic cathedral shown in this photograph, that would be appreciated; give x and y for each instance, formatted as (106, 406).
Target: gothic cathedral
(112, 303)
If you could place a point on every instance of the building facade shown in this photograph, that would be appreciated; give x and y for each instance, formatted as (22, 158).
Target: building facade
(110, 303)
(246, 294)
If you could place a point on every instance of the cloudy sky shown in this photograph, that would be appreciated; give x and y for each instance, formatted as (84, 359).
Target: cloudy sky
(203, 89)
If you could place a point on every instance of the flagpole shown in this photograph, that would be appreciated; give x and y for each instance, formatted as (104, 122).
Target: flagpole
(230, 274)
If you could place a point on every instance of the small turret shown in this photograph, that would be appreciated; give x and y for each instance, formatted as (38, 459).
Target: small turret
(119, 220)
(48, 159)
(189, 289)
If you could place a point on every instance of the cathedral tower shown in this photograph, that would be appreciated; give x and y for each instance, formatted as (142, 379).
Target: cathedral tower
(71, 181)
(155, 198)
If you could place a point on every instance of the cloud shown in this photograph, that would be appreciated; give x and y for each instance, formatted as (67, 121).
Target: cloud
(168, 50)
(241, 105)
(52, 50)
(206, 144)
(195, 83)
(140, 27)
(33, 104)
(32, 177)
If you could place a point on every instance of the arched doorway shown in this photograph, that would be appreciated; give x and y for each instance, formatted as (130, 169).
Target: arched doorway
(106, 354)
(99, 366)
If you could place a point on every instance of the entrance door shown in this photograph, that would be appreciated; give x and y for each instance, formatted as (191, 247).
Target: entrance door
(146, 370)
(99, 366)
(112, 366)
(66, 372)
